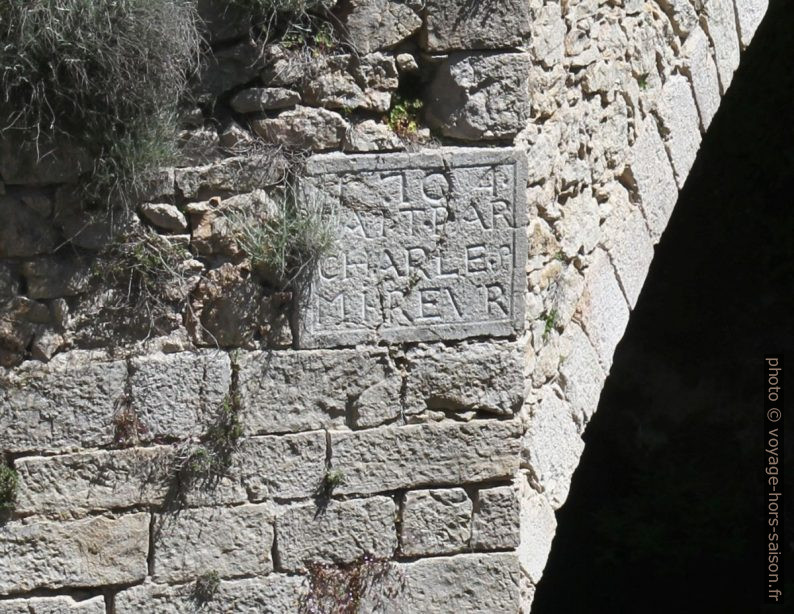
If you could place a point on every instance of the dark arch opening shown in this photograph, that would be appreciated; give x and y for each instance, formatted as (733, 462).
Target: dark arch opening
(665, 510)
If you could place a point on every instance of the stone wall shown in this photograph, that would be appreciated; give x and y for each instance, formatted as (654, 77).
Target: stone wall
(409, 421)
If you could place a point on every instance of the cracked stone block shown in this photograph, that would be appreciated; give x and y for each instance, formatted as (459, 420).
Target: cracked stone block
(679, 117)
(303, 127)
(497, 515)
(388, 458)
(721, 28)
(702, 73)
(538, 526)
(581, 375)
(235, 175)
(632, 253)
(232, 542)
(451, 26)
(341, 532)
(749, 15)
(435, 522)
(91, 552)
(53, 605)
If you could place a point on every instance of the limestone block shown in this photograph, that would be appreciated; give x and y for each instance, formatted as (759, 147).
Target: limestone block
(255, 100)
(341, 532)
(581, 376)
(92, 552)
(370, 25)
(484, 377)
(435, 522)
(679, 117)
(178, 395)
(430, 245)
(387, 458)
(602, 310)
(53, 605)
(272, 594)
(232, 542)
(631, 254)
(283, 392)
(480, 25)
(702, 73)
(465, 584)
(369, 135)
(56, 276)
(538, 525)
(547, 42)
(749, 14)
(480, 96)
(164, 216)
(23, 232)
(650, 170)
(303, 127)
(68, 403)
(351, 82)
(496, 524)
(230, 176)
(552, 446)
(579, 226)
(721, 28)
(682, 15)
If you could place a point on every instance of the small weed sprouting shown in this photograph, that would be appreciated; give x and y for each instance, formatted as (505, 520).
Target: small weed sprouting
(343, 589)
(333, 479)
(550, 322)
(206, 587)
(642, 81)
(404, 117)
(560, 256)
(8, 488)
(127, 428)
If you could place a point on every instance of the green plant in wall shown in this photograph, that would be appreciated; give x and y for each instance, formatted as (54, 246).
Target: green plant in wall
(549, 323)
(206, 587)
(103, 76)
(8, 488)
(404, 116)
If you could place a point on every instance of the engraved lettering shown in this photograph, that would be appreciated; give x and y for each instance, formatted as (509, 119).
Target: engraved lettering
(475, 259)
(496, 300)
(428, 303)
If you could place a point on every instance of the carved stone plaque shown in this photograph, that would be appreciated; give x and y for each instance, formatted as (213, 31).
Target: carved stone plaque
(429, 245)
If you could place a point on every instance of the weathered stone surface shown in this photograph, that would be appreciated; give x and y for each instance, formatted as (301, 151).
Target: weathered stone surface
(435, 454)
(631, 254)
(230, 67)
(430, 246)
(272, 594)
(496, 524)
(164, 216)
(579, 227)
(749, 14)
(90, 552)
(652, 174)
(484, 377)
(199, 146)
(30, 163)
(480, 96)
(475, 25)
(538, 525)
(23, 232)
(467, 584)
(283, 392)
(53, 605)
(435, 522)
(552, 446)
(258, 99)
(231, 541)
(582, 378)
(721, 28)
(682, 15)
(702, 73)
(56, 276)
(348, 82)
(370, 25)
(303, 127)
(679, 118)
(369, 135)
(67, 403)
(230, 176)
(341, 533)
(179, 395)
(90, 481)
(602, 309)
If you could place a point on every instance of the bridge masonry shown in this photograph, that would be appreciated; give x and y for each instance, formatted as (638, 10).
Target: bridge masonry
(413, 417)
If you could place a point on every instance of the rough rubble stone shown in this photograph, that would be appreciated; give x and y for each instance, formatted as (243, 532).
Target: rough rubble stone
(679, 118)
(53, 605)
(349, 82)
(370, 136)
(91, 552)
(340, 533)
(475, 25)
(288, 391)
(230, 67)
(388, 458)
(702, 72)
(579, 226)
(56, 276)
(370, 25)
(23, 232)
(435, 522)
(272, 594)
(480, 96)
(749, 14)
(721, 28)
(179, 395)
(552, 446)
(682, 15)
(496, 524)
(304, 127)
(465, 584)
(602, 309)
(230, 176)
(232, 542)
(67, 403)
(650, 170)
(164, 216)
(199, 146)
(255, 100)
